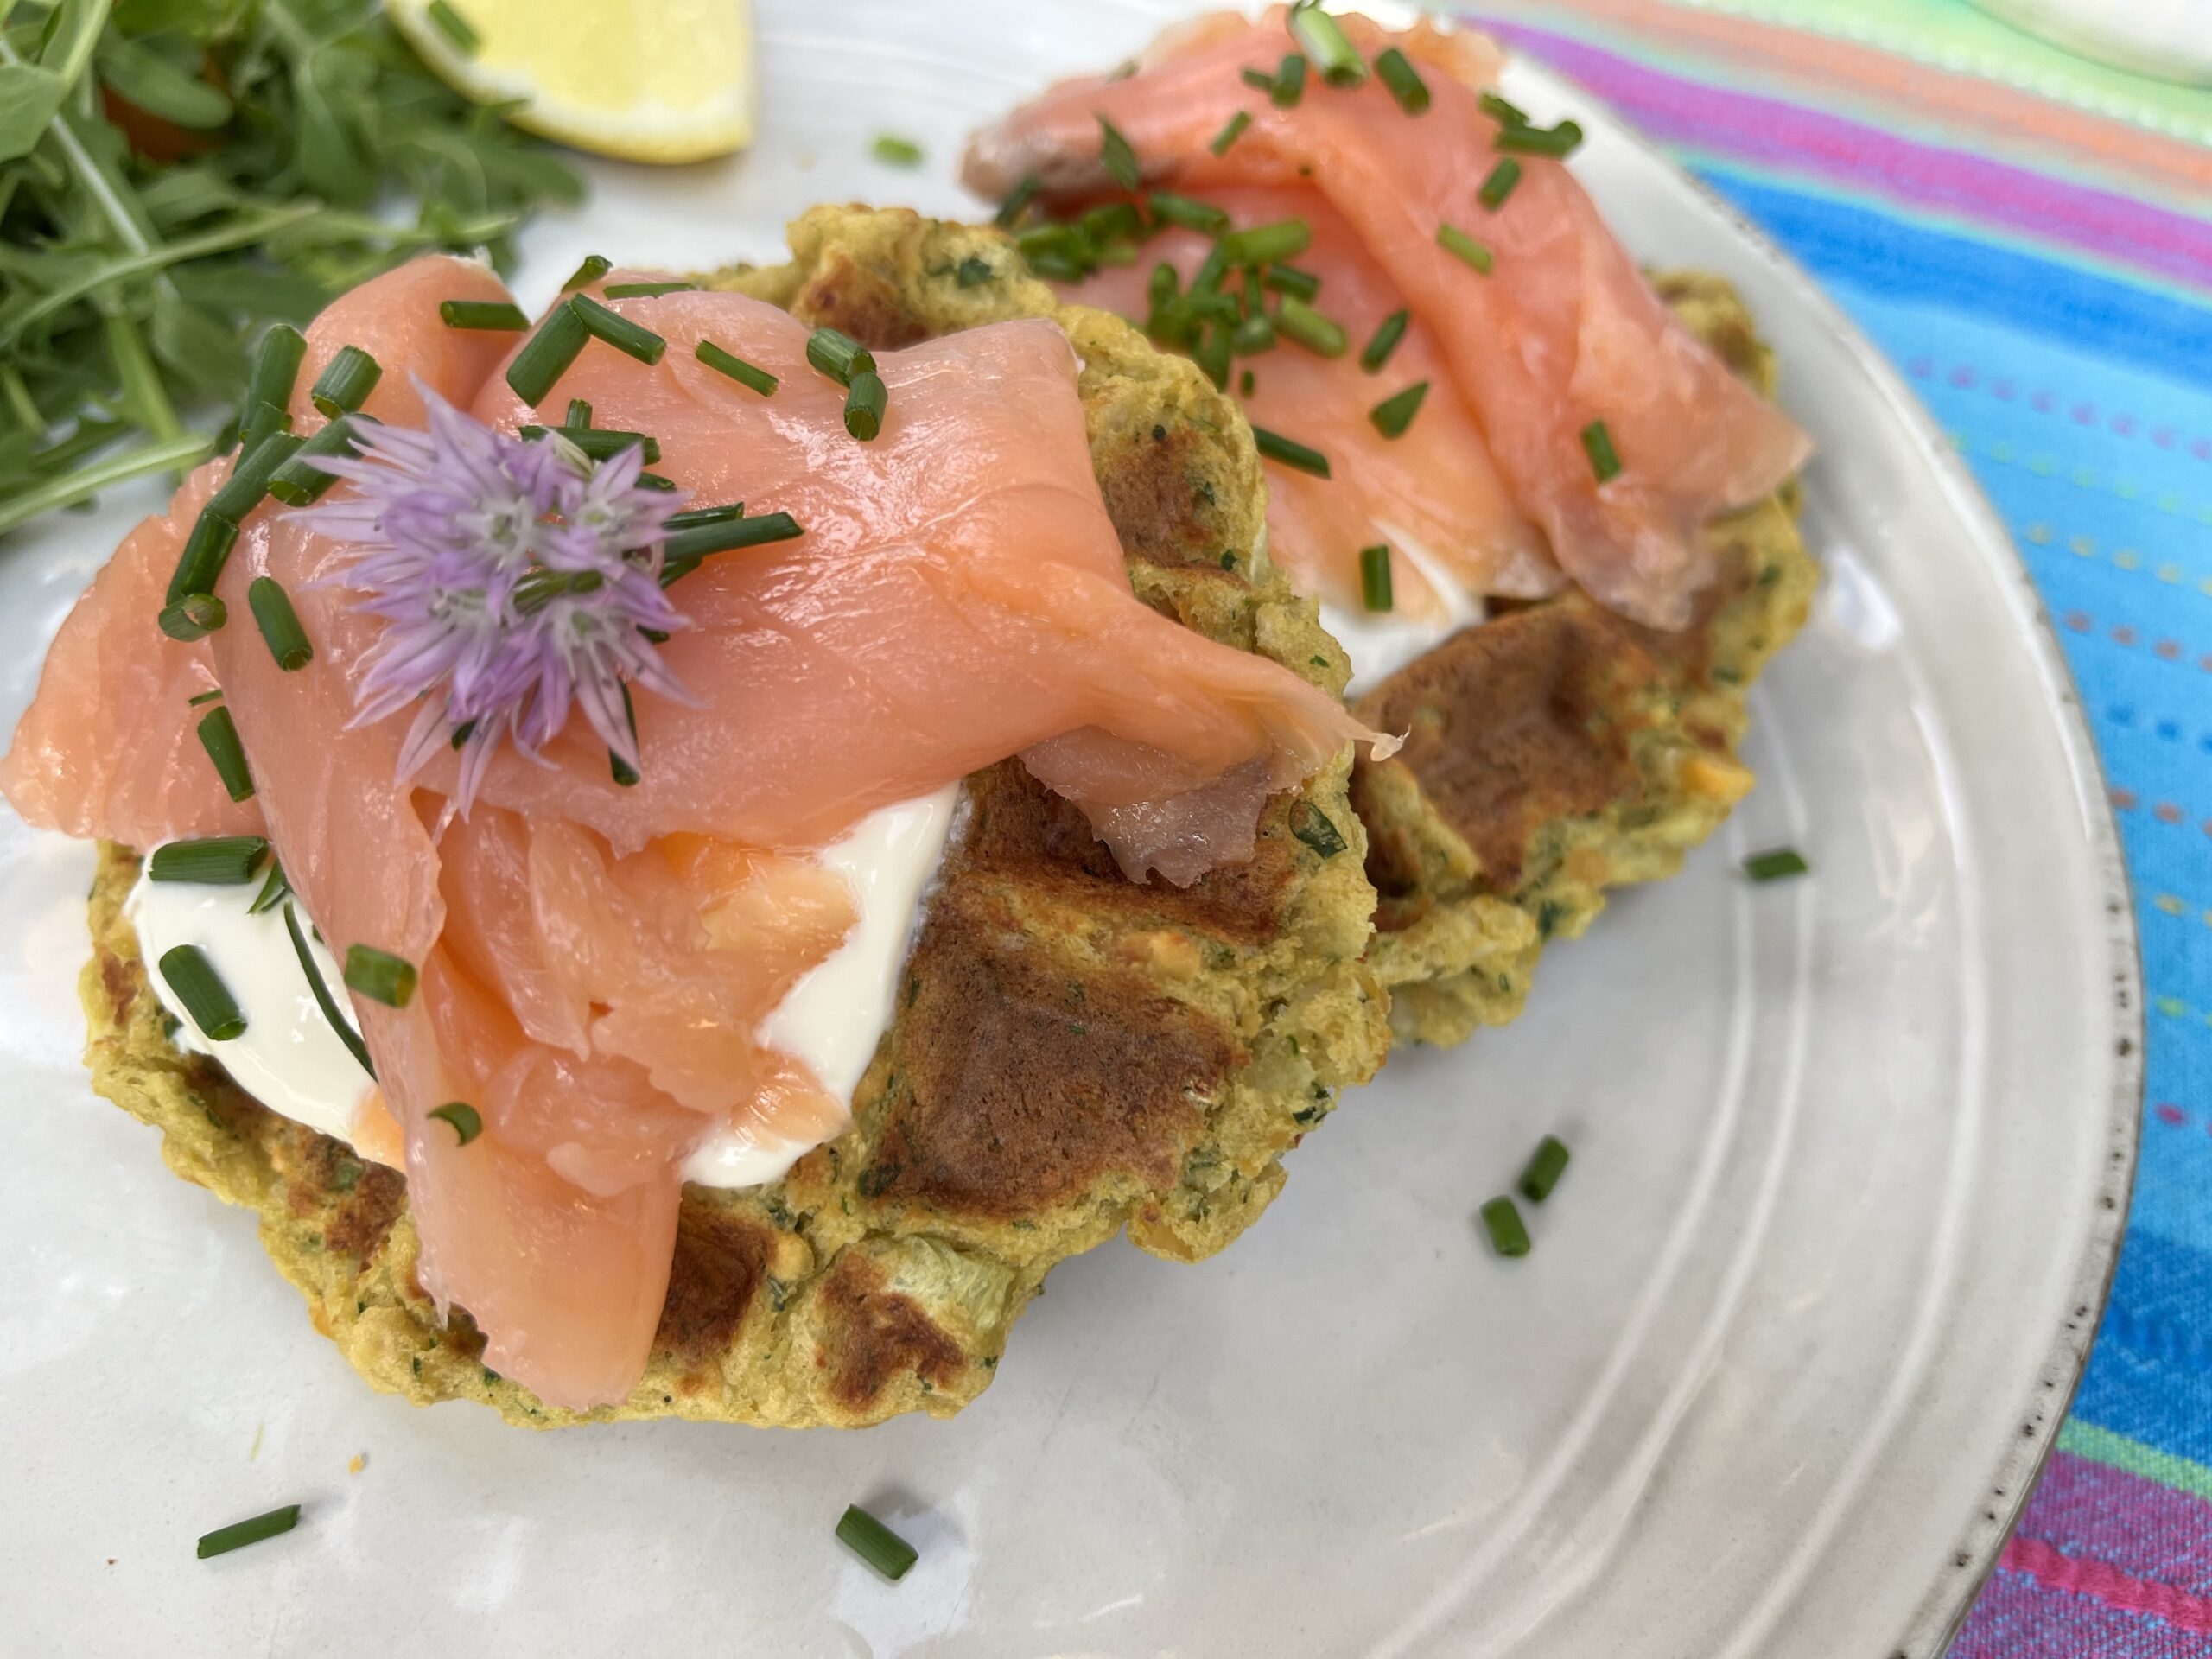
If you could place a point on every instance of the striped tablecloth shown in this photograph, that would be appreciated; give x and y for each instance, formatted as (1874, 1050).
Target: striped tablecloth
(2030, 238)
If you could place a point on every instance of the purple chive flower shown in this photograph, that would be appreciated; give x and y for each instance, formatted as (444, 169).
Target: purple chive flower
(513, 585)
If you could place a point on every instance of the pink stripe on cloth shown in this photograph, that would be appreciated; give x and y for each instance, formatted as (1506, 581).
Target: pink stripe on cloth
(2135, 1525)
(2103, 1582)
(1714, 119)
(2018, 1616)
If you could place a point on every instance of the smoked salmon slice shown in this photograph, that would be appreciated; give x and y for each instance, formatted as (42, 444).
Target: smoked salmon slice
(1546, 323)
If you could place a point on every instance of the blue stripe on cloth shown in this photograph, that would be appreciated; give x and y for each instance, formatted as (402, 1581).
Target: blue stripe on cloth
(2150, 1376)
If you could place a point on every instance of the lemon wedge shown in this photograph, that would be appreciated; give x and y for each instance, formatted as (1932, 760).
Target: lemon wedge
(646, 80)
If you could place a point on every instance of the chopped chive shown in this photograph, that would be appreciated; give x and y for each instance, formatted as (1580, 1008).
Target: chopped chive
(682, 552)
(274, 889)
(1394, 414)
(1504, 111)
(219, 736)
(1213, 353)
(1388, 333)
(1499, 185)
(276, 367)
(495, 315)
(1374, 578)
(346, 383)
(239, 1534)
(455, 27)
(1321, 335)
(692, 517)
(206, 551)
(1164, 285)
(1554, 142)
(280, 623)
(1117, 156)
(1324, 38)
(973, 272)
(598, 443)
(1245, 382)
(331, 1013)
(1212, 269)
(1453, 240)
(213, 860)
(1314, 826)
(299, 482)
(579, 413)
(1394, 70)
(193, 617)
(545, 356)
(380, 976)
(1502, 1221)
(259, 419)
(646, 290)
(1545, 1165)
(1254, 295)
(894, 152)
(838, 355)
(1232, 130)
(735, 367)
(216, 695)
(1263, 244)
(593, 267)
(618, 331)
(1256, 333)
(1289, 279)
(875, 1543)
(1290, 453)
(1109, 222)
(1598, 444)
(187, 971)
(1010, 209)
(625, 774)
(1776, 864)
(1259, 80)
(1289, 84)
(864, 401)
(655, 481)
(1191, 214)
(467, 1123)
(1056, 267)
(248, 484)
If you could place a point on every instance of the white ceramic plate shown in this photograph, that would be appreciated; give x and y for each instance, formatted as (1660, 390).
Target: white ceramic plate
(1851, 1159)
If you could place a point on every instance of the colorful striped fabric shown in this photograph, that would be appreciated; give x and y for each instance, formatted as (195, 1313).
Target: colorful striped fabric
(2030, 238)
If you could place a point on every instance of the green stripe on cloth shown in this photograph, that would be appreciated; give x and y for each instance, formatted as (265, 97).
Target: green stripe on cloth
(2102, 1445)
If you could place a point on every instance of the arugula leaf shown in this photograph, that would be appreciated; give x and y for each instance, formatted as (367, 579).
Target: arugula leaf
(29, 97)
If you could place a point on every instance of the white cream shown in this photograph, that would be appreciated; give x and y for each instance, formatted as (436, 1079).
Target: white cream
(1380, 643)
(290, 1059)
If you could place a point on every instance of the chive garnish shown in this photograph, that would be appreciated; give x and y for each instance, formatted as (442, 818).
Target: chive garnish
(1289, 84)
(1776, 864)
(494, 314)
(467, 1123)
(1110, 221)
(838, 355)
(579, 413)
(280, 623)
(875, 1543)
(259, 419)
(299, 482)
(1191, 214)
(1374, 578)
(1011, 209)
(333, 1015)
(618, 331)
(1321, 335)
(193, 617)
(690, 516)
(1499, 185)
(1212, 269)
(1545, 1165)
(894, 152)
(1259, 79)
(1290, 452)
(548, 353)
(1502, 1220)
(213, 860)
(1453, 240)
(1503, 110)
(593, 267)
(1213, 352)
(625, 774)
(1394, 70)
(864, 401)
(1598, 444)
(682, 552)
(1314, 826)
(346, 382)
(1263, 244)
(646, 290)
(735, 367)
(239, 1534)
(219, 736)
(655, 481)
(187, 972)
(1324, 38)
(1554, 142)
(1232, 130)
(206, 551)
(454, 27)
(275, 367)
(248, 484)
(1245, 382)
(274, 889)
(204, 697)
(1394, 414)
(973, 272)
(380, 976)
(1289, 279)
(1117, 156)
(1388, 333)
(1255, 334)
(598, 443)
